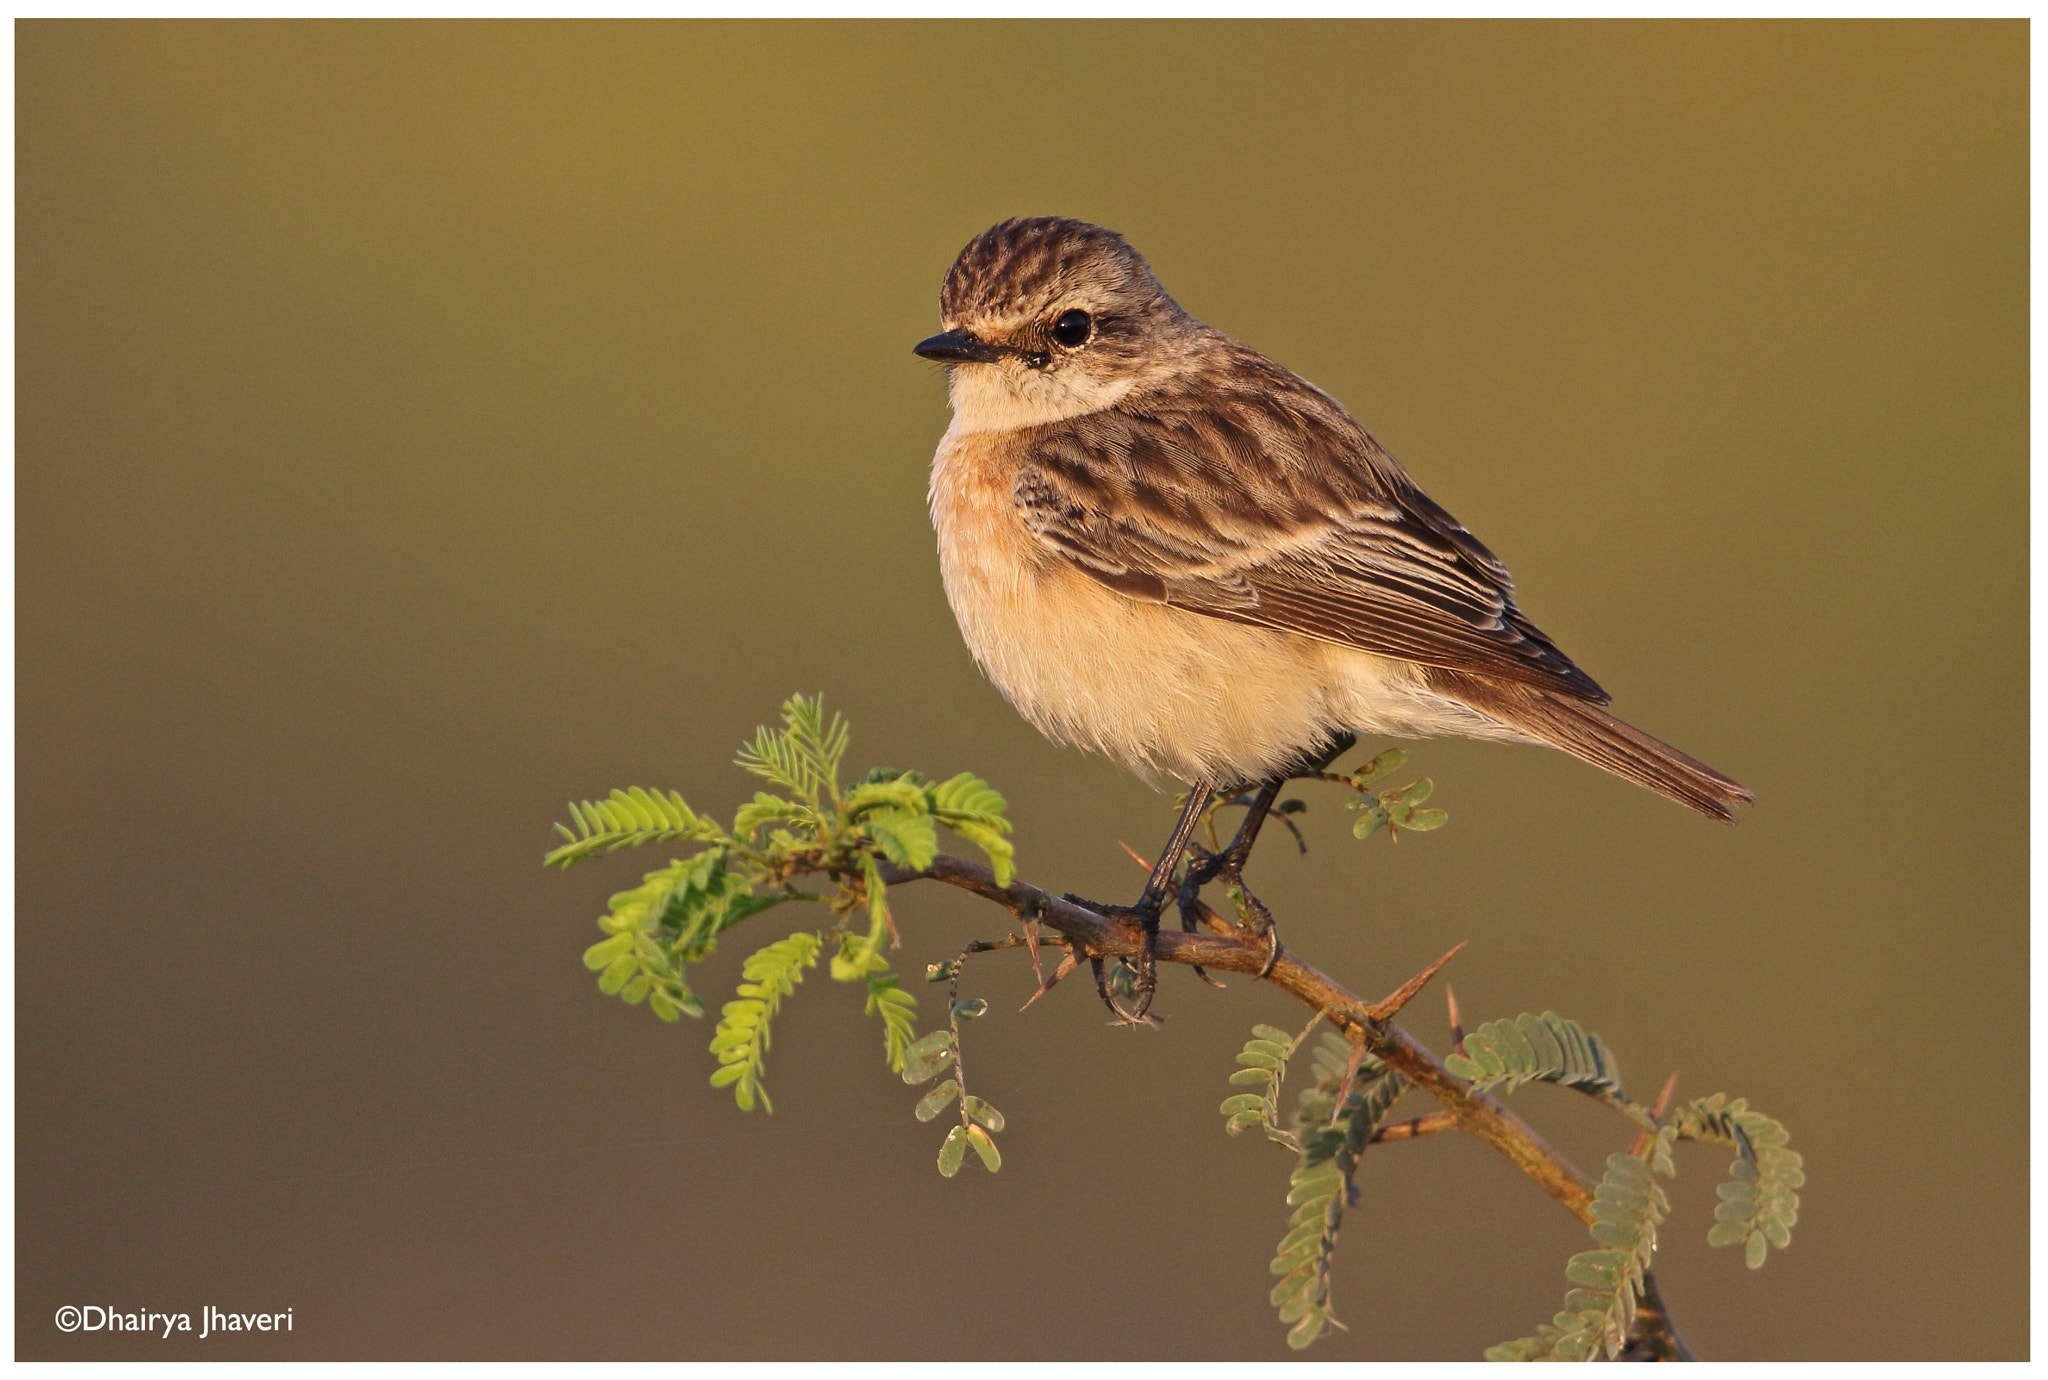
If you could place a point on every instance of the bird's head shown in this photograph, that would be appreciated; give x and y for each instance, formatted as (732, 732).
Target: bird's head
(1049, 318)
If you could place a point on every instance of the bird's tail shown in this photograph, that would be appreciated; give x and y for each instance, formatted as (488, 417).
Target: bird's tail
(1590, 733)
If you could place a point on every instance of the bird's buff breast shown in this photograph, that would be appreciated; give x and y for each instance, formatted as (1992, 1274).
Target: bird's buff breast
(1161, 690)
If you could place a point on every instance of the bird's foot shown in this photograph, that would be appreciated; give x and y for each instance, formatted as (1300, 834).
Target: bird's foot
(1128, 992)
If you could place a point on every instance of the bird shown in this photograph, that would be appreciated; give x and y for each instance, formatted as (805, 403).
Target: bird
(1164, 547)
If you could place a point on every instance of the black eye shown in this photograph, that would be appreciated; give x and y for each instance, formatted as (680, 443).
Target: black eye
(1072, 329)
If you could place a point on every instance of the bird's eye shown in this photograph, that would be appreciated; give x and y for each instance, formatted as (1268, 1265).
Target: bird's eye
(1072, 329)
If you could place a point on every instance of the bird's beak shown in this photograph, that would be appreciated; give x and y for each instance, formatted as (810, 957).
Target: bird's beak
(958, 347)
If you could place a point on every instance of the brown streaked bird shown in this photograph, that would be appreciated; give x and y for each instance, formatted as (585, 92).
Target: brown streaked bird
(1164, 547)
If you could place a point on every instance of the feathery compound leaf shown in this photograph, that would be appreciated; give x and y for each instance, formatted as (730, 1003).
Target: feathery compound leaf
(1265, 1058)
(1760, 1201)
(626, 819)
(1628, 1208)
(905, 838)
(1331, 1143)
(671, 919)
(973, 809)
(898, 1010)
(804, 755)
(766, 809)
(741, 1043)
(1547, 1048)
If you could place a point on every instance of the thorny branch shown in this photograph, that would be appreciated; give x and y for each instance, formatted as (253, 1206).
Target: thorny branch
(1368, 1025)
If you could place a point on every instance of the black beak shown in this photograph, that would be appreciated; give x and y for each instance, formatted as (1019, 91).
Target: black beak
(958, 347)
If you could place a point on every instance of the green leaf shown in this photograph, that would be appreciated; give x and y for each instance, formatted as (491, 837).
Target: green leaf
(1002, 854)
(1506, 1054)
(985, 1146)
(1380, 767)
(1243, 1076)
(626, 819)
(1368, 823)
(1308, 1329)
(804, 755)
(600, 954)
(973, 809)
(970, 1009)
(927, 1056)
(953, 1151)
(615, 974)
(1760, 1200)
(742, 1039)
(967, 796)
(898, 1010)
(906, 839)
(763, 809)
(1241, 1102)
(937, 1100)
(1422, 821)
(897, 793)
(980, 1111)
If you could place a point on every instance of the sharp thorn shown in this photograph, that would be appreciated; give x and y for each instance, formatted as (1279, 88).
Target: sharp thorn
(1664, 1096)
(1656, 1112)
(1031, 940)
(1401, 996)
(1457, 1025)
(1350, 1077)
(1067, 965)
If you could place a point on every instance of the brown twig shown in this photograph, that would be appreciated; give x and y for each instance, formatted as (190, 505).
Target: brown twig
(1416, 1126)
(1479, 1114)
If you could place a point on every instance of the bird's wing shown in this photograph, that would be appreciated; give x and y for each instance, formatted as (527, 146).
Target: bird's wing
(1267, 504)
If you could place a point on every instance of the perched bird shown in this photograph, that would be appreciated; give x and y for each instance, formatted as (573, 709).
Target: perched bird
(1164, 547)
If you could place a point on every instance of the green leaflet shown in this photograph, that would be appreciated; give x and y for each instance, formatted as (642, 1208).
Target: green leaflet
(1628, 1207)
(672, 919)
(1265, 1058)
(1396, 805)
(742, 1040)
(859, 956)
(1760, 1201)
(898, 1010)
(1548, 1048)
(766, 809)
(804, 755)
(906, 838)
(626, 819)
(1321, 1186)
(924, 1058)
(985, 1146)
(973, 809)
(937, 1100)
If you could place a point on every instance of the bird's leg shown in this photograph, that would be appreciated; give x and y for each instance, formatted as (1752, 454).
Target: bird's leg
(1150, 902)
(1228, 868)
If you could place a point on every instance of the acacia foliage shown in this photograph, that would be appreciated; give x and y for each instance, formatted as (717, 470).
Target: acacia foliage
(817, 826)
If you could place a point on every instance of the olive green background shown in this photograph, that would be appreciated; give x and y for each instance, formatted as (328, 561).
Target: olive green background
(422, 424)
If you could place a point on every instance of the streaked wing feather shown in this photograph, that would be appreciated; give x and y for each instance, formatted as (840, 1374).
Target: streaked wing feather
(1268, 505)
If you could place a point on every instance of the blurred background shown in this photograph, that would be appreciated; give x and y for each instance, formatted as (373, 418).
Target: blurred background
(423, 424)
